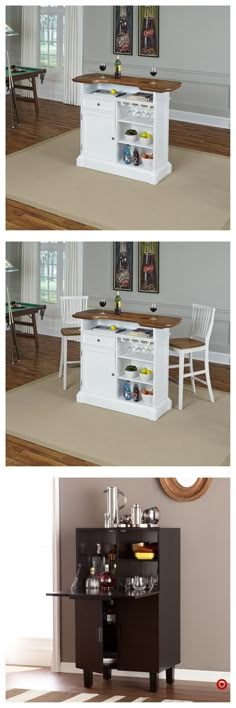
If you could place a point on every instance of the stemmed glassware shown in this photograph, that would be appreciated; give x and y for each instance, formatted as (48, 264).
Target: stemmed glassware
(102, 303)
(153, 72)
(102, 66)
(153, 308)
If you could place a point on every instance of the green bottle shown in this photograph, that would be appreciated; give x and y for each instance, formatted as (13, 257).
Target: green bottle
(117, 68)
(117, 303)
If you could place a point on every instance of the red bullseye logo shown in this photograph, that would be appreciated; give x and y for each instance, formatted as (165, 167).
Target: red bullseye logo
(222, 684)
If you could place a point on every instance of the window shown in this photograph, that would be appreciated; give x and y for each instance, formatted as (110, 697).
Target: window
(52, 30)
(52, 269)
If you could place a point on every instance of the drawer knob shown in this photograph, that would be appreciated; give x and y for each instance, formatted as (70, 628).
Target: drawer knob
(98, 340)
(98, 104)
(113, 138)
(113, 374)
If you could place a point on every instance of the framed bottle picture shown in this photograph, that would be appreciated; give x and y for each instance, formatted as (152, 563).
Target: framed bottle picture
(123, 265)
(148, 31)
(148, 267)
(122, 29)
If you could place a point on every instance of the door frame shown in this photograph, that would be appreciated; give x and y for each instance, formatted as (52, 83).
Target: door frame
(56, 651)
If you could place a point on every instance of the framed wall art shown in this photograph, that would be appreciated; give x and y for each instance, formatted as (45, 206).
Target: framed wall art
(148, 31)
(148, 267)
(123, 265)
(122, 29)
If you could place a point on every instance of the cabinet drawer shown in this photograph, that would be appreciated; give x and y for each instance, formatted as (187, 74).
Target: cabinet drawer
(99, 104)
(102, 340)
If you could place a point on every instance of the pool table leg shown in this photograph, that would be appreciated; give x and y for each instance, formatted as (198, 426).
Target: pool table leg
(36, 338)
(15, 103)
(36, 101)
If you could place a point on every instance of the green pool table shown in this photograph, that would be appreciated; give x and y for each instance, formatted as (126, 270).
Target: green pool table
(19, 310)
(20, 73)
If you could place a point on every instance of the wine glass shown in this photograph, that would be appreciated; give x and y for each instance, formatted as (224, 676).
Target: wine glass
(102, 66)
(102, 303)
(153, 72)
(153, 308)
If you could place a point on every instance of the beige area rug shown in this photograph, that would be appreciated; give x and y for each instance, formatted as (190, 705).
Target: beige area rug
(195, 196)
(41, 412)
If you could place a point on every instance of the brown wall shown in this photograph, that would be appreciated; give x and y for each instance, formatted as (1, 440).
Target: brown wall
(204, 560)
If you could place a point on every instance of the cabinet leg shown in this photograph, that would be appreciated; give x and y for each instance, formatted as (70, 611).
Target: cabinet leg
(88, 679)
(154, 682)
(170, 675)
(107, 673)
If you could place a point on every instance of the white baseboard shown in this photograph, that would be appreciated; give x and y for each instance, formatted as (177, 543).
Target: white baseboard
(180, 674)
(200, 118)
(29, 651)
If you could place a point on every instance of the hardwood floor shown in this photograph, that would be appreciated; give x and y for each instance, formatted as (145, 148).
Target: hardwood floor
(131, 688)
(36, 364)
(55, 118)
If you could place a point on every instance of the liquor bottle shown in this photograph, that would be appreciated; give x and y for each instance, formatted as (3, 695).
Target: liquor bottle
(107, 580)
(109, 627)
(117, 68)
(127, 391)
(92, 584)
(112, 559)
(148, 271)
(75, 585)
(98, 561)
(136, 393)
(136, 157)
(117, 303)
(127, 155)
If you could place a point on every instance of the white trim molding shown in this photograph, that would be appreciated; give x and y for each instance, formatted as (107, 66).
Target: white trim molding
(199, 118)
(180, 674)
(29, 651)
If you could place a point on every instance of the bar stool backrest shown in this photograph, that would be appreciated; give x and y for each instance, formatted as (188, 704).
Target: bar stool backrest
(70, 304)
(202, 322)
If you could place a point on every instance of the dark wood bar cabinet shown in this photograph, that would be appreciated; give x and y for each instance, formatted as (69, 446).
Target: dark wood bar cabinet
(145, 636)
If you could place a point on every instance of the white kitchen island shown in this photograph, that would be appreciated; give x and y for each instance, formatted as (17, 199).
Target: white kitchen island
(105, 353)
(106, 117)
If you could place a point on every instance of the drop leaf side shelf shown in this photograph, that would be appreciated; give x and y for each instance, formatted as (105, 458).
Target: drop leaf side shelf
(146, 634)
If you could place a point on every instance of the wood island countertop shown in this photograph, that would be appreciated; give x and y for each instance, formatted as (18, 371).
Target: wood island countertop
(154, 321)
(155, 85)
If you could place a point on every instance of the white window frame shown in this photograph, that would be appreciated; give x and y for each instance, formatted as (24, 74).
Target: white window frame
(59, 246)
(58, 73)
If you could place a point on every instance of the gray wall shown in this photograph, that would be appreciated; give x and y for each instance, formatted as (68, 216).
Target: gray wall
(13, 44)
(194, 49)
(189, 272)
(205, 622)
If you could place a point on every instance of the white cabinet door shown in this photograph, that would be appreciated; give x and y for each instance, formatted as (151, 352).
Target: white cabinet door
(98, 371)
(98, 135)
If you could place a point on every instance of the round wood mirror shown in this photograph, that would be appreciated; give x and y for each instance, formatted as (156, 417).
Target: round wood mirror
(185, 487)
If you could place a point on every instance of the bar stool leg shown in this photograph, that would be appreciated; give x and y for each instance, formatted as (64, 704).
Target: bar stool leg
(61, 360)
(64, 363)
(208, 379)
(192, 372)
(181, 381)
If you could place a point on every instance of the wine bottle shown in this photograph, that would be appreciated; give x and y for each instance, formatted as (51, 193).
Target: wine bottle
(117, 68)
(136, 157)
(107, 580)
(98, 561)
(118, 303)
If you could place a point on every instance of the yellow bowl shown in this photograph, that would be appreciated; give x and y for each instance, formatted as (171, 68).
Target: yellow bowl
(144, 556)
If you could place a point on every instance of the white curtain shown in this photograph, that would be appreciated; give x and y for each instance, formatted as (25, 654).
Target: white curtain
(29, 275)
(30, 27)
(73, 268)
(73, 53)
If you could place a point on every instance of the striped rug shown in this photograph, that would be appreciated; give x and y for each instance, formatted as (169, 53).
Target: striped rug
(21, 695)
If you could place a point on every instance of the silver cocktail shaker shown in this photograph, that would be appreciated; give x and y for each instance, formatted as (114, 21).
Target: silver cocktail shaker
(136, 515)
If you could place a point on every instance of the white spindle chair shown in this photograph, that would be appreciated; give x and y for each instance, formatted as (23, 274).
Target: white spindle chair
(198, 341)
(70, 331)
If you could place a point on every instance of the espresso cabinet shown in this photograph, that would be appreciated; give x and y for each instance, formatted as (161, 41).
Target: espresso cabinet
(146, 634)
